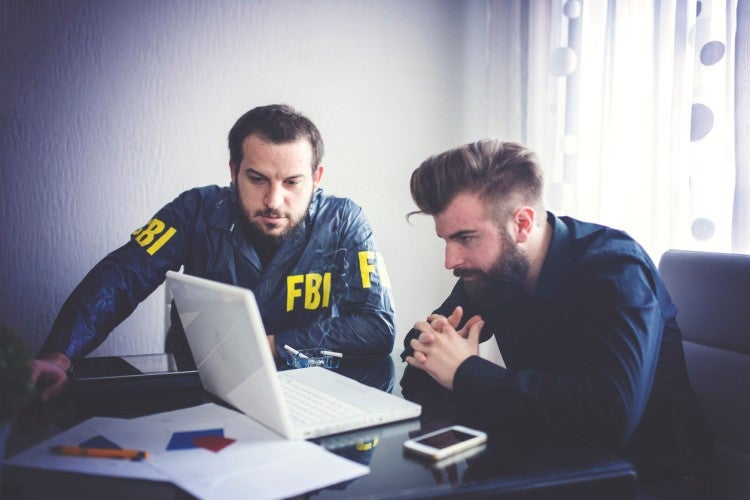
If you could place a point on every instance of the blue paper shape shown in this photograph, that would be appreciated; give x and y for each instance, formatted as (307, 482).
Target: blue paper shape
(184, 440)
(99, 442)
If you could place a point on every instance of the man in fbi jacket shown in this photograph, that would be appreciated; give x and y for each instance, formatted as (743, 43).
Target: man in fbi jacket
(310, 258)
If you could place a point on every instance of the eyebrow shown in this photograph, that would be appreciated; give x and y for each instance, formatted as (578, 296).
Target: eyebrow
(461, 233)
(252, 171)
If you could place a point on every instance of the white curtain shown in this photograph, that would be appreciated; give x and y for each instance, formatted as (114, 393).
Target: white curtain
(630, 106)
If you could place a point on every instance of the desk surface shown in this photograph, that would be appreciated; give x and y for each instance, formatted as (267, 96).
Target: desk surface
(541, 470)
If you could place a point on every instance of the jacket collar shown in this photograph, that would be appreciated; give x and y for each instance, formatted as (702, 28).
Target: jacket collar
(557, 258)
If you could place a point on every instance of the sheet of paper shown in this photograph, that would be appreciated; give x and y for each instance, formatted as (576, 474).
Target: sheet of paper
(250, 461)
(39, 456)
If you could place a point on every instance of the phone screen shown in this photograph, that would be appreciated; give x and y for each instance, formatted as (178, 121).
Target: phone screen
(445, 439)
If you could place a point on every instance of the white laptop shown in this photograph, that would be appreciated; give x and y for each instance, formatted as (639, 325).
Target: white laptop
(228, 341)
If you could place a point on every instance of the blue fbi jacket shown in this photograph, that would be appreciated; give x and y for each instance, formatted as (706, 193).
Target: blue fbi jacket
(326, 285)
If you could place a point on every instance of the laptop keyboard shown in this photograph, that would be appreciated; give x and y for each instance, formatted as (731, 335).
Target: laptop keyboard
(309, 405)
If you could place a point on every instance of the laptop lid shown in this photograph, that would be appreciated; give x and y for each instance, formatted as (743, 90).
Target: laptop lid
(226, 335)
(228, 341)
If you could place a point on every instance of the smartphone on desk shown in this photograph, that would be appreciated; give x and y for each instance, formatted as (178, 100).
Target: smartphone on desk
(445, 442)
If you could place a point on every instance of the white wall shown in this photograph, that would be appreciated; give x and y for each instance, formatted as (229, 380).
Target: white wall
(110, 109)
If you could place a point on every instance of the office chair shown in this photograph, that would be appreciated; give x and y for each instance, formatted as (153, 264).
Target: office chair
(712, 294)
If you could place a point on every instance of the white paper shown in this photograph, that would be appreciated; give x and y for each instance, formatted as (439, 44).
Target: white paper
(260, 464)
(39, 456)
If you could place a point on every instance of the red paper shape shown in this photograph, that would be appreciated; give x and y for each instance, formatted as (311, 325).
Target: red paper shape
(212, 443)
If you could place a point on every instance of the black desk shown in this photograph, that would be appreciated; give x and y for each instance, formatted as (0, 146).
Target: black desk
(539, 471)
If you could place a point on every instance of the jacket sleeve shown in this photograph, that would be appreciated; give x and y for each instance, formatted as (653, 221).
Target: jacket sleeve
(363, 317)
(118, 283)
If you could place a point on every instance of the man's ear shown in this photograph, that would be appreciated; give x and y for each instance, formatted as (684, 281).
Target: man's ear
(523, 221)
(317, 175)
(232, 172)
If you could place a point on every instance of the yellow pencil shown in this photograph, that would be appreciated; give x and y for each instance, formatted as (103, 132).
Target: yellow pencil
(78, 451)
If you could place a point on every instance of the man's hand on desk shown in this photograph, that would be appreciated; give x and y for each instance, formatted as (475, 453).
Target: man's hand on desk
(49, 374)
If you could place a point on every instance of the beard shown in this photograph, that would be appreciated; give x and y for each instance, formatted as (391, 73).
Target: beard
(258, 232)
(503, 281)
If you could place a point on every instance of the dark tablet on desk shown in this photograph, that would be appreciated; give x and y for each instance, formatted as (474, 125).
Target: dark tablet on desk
(104, 366)
(119, 384)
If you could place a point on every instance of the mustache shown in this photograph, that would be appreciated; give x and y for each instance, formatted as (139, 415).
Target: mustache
(269, 213)
(462, 273)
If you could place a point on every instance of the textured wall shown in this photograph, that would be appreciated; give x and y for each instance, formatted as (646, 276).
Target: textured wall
(110, 109)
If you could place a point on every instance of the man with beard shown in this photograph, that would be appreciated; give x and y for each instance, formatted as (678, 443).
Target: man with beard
(310, 258)
(586, 328)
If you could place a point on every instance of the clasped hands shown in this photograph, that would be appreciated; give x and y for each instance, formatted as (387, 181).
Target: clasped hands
(440, 348)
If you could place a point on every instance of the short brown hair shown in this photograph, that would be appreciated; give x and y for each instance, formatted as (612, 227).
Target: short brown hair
(499, 172)
(278, 123)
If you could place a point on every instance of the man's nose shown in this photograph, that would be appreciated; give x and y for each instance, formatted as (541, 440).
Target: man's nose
(452, 257)
(274, 196)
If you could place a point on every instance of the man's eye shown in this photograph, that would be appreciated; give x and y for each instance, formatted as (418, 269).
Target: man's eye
(256, 180)
(292, 182)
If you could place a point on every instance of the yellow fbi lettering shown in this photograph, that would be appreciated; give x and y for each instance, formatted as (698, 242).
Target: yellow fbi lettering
(314, 289)
(317, 290)
(369, 261)
(153, 235)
